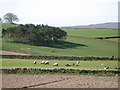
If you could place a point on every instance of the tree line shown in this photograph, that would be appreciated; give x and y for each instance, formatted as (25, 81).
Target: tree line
(35, 34)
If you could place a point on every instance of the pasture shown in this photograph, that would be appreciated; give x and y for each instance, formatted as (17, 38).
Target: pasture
(73, 46)
(87, 65)
(92, 32)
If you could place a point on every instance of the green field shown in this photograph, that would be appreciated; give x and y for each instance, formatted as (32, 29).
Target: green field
(92, 32)
(87, 65)
(73, 46)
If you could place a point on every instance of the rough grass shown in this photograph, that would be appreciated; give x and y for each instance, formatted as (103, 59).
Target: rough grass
(87, 65)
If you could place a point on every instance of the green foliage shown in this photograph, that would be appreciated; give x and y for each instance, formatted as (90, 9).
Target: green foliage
(35, 35)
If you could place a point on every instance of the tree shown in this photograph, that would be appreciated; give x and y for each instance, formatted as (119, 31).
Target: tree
(0, 20)
(10, 18)
(35, 35)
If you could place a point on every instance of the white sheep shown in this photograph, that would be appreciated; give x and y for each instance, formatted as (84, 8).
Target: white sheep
(35, 62)
(46, 62)
(77, 62)
(68, 65)
(106, 67)
(55, 64)
(43, 62)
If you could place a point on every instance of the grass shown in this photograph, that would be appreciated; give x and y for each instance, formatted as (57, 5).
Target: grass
(92, 32)
(73, 46)
(87, 65)
(77, 47)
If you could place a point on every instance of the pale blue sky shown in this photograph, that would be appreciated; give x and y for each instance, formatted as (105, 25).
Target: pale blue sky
(61, 12)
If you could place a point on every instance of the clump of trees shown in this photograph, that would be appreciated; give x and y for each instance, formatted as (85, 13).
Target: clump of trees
(35, 34)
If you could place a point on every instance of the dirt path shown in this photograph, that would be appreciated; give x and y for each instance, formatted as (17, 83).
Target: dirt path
(10, 53)
(58, 81)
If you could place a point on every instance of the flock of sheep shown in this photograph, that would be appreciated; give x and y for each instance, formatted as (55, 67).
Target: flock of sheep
(74, 64)
(56, 64)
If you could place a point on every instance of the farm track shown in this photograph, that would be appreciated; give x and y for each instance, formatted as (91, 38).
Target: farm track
(10, 53)
(93, 39)
(59, 81)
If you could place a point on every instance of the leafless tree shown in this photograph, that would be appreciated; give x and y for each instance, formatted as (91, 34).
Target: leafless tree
(10, 18)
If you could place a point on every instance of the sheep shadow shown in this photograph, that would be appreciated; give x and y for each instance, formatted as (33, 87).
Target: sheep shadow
(65, 44)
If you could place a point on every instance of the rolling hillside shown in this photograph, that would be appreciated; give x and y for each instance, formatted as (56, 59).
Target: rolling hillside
(82, 44)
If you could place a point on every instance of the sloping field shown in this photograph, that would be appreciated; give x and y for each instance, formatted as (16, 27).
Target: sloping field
(82, 44)
(73, 47)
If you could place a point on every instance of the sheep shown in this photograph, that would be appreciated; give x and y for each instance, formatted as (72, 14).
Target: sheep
(55, 64)
(46, 62)
(35, 62)
(43, 62)
(77, 62)
(106, 67)
(68, 65)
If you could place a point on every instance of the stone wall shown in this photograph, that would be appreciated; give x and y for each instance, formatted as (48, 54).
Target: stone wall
(62, 70)
(90, 58)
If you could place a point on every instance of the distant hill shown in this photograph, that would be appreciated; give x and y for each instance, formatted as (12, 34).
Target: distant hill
(113, 25)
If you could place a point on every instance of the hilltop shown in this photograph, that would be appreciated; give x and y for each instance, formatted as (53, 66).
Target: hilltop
(113, 25)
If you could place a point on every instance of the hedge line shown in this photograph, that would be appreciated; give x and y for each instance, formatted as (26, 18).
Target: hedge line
(58, 57)
(62, 70)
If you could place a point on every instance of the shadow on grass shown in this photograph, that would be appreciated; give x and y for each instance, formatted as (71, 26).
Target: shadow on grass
(65, 44)
(60, 45)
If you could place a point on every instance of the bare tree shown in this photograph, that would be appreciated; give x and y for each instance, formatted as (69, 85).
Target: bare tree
(10, 18)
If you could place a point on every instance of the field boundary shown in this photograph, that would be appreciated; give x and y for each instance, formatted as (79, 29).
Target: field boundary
(90, 58)
(61, 70)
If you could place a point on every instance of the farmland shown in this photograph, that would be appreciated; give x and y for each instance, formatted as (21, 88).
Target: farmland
(82, 44)
(87, 65)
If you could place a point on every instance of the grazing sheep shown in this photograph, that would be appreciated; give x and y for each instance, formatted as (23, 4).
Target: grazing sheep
(43, 62)
(77, 62)
(35, 62)
(68, 65)
(106, 67)
(46, 62)
(55, 64)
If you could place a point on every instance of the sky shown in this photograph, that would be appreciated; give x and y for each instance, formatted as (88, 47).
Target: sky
(61, 12)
